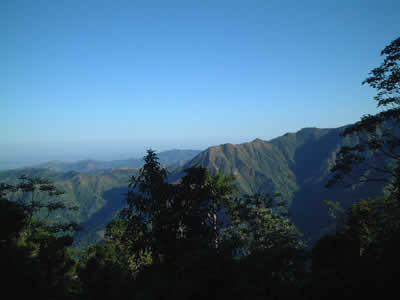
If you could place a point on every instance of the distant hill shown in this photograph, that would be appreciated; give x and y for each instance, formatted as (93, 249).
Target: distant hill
(171, 159)
(296, 165)
(96, 187)
(98, 196)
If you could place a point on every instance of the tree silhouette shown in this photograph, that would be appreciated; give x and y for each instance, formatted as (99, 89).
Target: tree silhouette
(259, 222)
(32, 250)
(379, 134)
(163, 219)
(369, 231)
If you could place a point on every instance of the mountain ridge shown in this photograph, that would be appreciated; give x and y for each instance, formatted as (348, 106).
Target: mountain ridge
(168, 158)
(295, 165)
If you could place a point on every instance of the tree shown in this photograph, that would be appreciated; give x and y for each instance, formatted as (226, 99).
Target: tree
(146, 208)
(376, 156)
(202, 203)
(175, 225)
(12, 216)
(103, 274)
(258, 223)
(362, 255)
(32, 249)
(370, 228)
(199, 233)
(40, 199)
(165, 219)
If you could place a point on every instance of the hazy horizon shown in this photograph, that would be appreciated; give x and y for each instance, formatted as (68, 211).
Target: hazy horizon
(108, 80)
(59, 155)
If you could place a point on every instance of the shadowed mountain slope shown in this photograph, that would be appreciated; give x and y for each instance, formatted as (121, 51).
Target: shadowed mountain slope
(296, 165)
(98, 197)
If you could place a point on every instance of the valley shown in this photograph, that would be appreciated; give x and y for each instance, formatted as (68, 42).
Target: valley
(295, 165)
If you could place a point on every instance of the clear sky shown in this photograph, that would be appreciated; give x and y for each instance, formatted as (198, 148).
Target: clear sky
(109, 79)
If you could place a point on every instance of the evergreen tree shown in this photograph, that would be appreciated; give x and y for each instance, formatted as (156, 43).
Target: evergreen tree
(34, 251)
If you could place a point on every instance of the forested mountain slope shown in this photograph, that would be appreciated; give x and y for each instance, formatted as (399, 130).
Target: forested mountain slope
(296, 165)
(98, 197)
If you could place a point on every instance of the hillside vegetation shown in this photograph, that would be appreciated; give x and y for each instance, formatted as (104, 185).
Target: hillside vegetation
(295, 165)
(98, 197)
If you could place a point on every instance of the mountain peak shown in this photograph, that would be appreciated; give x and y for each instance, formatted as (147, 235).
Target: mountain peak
(257, 140)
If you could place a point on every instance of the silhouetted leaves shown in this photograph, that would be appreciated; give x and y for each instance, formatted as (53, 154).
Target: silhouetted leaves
(33, 252)
(376, 157)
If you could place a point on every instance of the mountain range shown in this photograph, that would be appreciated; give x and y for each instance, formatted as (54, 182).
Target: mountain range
(171, 159)
(96, 187)
(295, 165)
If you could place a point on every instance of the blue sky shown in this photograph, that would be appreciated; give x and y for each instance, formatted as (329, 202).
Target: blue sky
(109, 79)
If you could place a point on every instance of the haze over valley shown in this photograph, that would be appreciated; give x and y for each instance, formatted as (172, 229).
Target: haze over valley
(295, 165)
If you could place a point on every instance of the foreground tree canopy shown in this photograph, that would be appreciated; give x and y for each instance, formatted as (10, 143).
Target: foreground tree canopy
(194, 239)
(33, 250)
(376, 157)
(379, 134)
(367, 235)
(201, 213)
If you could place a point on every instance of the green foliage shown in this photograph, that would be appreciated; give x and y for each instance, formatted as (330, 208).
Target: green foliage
(372, 223)
(168, 242)
(380, 131)
(258, 223)
(145, 210)
(12, 216)
(38, 209)
(98, 198)
(31, 249)
(199, 238)
(362, 256)
(167, 220)
(177, 239)
(103, 274)
(295, 165)
(258, 166)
